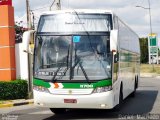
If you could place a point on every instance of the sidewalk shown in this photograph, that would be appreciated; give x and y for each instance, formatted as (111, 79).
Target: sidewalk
(151, 75)
(11, 103)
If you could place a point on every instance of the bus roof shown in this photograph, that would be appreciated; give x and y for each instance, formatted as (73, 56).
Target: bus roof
(85, 11)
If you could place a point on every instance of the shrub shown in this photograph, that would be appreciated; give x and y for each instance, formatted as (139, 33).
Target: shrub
(17, 89)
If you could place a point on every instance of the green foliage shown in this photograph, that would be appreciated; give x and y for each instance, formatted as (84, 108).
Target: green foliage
(148, 68)
(144, 49)
(17, 89)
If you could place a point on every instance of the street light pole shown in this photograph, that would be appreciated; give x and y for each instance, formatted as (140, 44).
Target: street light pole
(151, 32)
(150, 57)
(150, 16)
(149, 8)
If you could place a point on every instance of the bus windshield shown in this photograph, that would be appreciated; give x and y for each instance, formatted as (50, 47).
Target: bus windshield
(56, 55)
(70, 23)
(73, 47)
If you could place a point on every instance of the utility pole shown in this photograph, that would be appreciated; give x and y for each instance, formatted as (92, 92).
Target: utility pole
(57, 4)
(33, 18)
(28, 15)
(29, 26)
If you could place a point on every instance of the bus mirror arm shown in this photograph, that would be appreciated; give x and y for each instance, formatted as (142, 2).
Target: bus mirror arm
(116, 58)
(28, 52)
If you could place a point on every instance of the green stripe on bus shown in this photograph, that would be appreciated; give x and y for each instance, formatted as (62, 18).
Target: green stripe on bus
(87, 85)
(102, 83)
(38, 82)
(72, 85)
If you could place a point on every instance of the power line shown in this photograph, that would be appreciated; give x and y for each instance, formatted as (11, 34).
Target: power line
(52, 5)
(58, 4)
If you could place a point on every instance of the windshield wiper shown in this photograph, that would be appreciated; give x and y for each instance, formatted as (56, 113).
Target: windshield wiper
(53, 78)
(84, 72)
(82, 68)
(55, 74)
(68, 57)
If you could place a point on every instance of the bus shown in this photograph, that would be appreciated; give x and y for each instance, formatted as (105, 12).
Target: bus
(84, 59)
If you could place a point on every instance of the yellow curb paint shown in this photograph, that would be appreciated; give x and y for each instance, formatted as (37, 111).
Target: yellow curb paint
(31, 102)
(6, 105)
(12, 104)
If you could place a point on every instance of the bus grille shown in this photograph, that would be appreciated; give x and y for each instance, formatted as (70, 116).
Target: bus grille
(71, 91)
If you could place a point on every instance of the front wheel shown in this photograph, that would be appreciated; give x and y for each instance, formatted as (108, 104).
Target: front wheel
(117, 108)
(58, 110)
(134, 91)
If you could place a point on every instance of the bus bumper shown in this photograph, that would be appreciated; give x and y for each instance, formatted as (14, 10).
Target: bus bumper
(93, 101)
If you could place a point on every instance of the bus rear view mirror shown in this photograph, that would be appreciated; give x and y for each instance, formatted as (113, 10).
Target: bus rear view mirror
(28, 38)
(113, 39)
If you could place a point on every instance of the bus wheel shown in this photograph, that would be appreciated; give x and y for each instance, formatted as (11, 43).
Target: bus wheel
(134, 92)
(58, 110)
(117, 108)
(121, 95)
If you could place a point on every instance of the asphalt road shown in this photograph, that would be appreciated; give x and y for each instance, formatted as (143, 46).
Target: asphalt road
(145, 105)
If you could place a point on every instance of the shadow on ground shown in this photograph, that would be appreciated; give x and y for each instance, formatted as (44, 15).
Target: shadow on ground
(140, 105)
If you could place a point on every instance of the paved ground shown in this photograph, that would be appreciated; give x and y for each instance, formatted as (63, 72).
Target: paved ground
(146, 104)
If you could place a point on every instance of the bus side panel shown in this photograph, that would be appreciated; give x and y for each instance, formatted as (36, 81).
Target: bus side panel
(128, 44)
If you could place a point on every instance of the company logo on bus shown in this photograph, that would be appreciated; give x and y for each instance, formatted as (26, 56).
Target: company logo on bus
(86, 86)
(70, 91)
(5, 2)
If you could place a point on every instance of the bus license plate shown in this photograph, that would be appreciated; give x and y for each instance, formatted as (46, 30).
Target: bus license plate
(70, 101)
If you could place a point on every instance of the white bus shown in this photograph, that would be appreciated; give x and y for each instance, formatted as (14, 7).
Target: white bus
(87, 59)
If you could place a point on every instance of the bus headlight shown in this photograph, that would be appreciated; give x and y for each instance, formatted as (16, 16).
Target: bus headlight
(102, 89)
(41, 89)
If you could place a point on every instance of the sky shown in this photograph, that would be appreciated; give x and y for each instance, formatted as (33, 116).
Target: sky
(137, 18)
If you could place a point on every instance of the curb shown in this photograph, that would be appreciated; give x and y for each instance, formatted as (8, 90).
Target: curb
(17, 103)
(149, 75)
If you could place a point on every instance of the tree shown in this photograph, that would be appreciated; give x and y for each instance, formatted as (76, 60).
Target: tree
(144, 50)
(19, 33)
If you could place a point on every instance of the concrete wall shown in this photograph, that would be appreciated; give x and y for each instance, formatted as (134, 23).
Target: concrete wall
(22, 51)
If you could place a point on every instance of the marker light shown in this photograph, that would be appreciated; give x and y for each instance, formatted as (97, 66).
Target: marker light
(102, 89)
(41, 89)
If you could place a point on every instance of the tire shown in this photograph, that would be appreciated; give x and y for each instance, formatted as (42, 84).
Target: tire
(134, 92)
(137, 82)
(121, 96)
(58, 110)
(117, 108)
